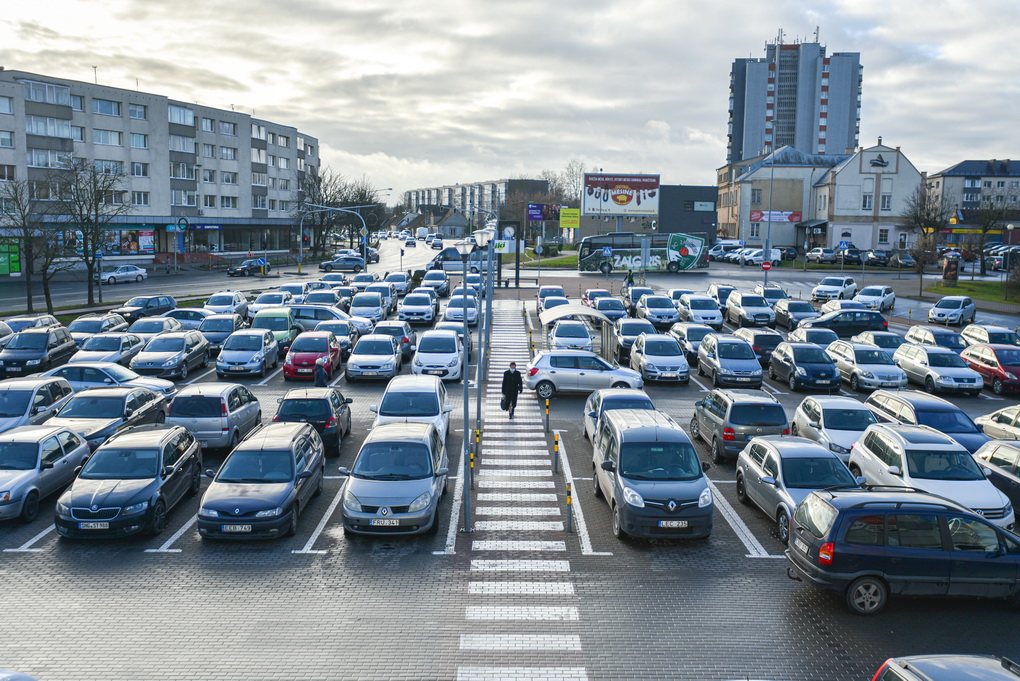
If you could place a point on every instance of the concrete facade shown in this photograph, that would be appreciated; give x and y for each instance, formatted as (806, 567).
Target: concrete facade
(486, 196)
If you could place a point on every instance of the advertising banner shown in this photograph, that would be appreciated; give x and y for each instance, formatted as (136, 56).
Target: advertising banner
(506, 245)
(623, 195)
(570, 218)
(685, 250)
(543, 211)
(775, 216)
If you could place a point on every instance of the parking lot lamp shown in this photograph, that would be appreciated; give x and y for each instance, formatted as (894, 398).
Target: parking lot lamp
(464, 248)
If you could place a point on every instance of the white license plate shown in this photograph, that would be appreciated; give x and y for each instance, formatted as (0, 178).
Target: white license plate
(304, 371)
(801, 545)
(93, 526)
(824, 381)
(384, 522)
(235, 528)
(435, 372)
(889, 384)
(669, 375)
(235, 368)
(13, 369)
(741, 378)
(371, 373)
(672, 523)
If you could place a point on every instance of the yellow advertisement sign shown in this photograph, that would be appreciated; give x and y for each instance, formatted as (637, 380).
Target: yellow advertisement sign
(570, 218)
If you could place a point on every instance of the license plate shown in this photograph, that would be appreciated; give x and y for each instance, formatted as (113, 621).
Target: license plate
(304, 371)
(669, 374)
(824, 382)
(435, 372)
(371, 373)
(93, 526)
(235, 528)
(889, 384)
(235, 368)
(384, 522)
(672, 523)
(742, 378)
(13, 369)
(801, 545)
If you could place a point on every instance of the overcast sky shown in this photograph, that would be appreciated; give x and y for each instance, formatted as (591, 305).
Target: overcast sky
(415, 93)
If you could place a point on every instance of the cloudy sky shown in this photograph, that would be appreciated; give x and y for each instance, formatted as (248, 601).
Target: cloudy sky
(415, 93)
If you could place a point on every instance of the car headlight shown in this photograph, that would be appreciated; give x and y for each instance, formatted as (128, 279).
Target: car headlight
(839, 449)
(351, 502)
(388, 364)
(420, 504)
(633, 498)
(33, 362)
(418, 362)
(5, 496)
(943, 379)
(270, 513)
(257, 357)
(705, 499)
(135, 508)
(801, 372)
(725, 371)
(867, 374)
(756, 372)
(171, 362)
(1007, 509)
(63, 508)
(1010, 376)
(453, 363)
(208, 512)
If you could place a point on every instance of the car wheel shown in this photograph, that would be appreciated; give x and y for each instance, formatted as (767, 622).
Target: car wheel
(974, 393)
(794, 429)
(717, 451)
(234, 440)
(138, 279)
(855, 470)
(262, 370)
(196, 480)
(929, 384)
(618, 530)
(855, 383)
(715, 379)
(328, 268)
(783, 525)
(357, 269)
(545, 390)
(292, 528)
(30, 508)
(997, 386)
(596, 489)
(322, 482)
(695, 429)
(158, 522)
(742, 490)
(867, 595)
(205, 359)
(620, 384)
(160, 418)
(772, 373)
(348, 378)
(606, 268)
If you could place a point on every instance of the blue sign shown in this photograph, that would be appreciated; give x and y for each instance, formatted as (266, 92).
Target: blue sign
(261, 262)
(99, 255)
(843, 245)
(607, 251)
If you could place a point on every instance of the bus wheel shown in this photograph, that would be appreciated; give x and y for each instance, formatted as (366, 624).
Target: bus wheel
(673, 266)
(606, 268)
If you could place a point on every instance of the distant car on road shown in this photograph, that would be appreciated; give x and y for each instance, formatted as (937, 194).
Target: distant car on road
(121, 275)
(247, 268)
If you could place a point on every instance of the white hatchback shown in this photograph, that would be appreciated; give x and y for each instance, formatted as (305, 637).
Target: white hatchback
(879, 298)
(439, 353)
(415, 399)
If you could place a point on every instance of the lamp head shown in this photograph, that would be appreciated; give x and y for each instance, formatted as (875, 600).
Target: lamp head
(464, 248)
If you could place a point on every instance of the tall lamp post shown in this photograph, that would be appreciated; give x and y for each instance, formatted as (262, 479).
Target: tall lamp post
(1009, 251)
(350, 210)
(482, 239)
(464, 248)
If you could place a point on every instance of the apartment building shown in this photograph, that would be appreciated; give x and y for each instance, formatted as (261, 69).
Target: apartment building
(485, 196)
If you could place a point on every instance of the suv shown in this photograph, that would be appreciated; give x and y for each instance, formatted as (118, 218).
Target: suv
(218, 414)
(912, 407)
(720, 293)
(145, 306)
(728, 419)
(821, 255)
(646, 467)
(948, 668)
(659, 357)
(763, 342)
(729, 360)
(31, 401)
(88, 325)
(700, 310)
(37, 349)
(871, 542)
(749, 309)
(834, 287)
(938, 369)
(414, 399)
(555, 371)
(936, 335)
(790, 313)
(31, 321)
(866, 367)
(988, 333)
(325, 409)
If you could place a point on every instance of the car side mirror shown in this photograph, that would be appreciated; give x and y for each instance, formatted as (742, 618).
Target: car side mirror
(895, 470)
(447, 408)
(128, 413)
(374, 408)
(980, 427)
(609, 466)
(814, 424)
(987, 471)
(210, 472)
(36, 410)
(349, 401)
(442, 471)
(46, 465)
(592, 414)
(108, 381)
(168, 471)
(304, 475)
(861, 480)
(767, 480)
(344, 471)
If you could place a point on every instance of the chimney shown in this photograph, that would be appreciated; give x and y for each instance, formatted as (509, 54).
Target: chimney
(879, 140)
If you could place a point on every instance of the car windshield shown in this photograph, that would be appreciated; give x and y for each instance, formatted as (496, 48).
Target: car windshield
(702, 304)
(848, 419)
(367, 300)
(417, 301)
(310, 409)
(1009, 358)
(120, 373)
(220, 300)
(609, 304)
(551, 291)
(950, 340)
(86, 326)
(216, 325)
(246, 342)
(395, 331)
(875, 291)
(373, 347)
(158, 344)
(434, 277)
(18, 456)
(927, 465)
(947, 421)
(757, 415)
(393, 461)
(121, 464)
(811, 356)
(1003, 337)
(270, 299)
(146, 326)
(659, 302)
(137, 302)
(308, 345)
(339, 329)
(945, 359)
(555, 302)
(397, 278)
(271, 323)
(753, 301)
(636, 328)
(659, 461)
(28, 341)
(18, 325)
(695, 334)
(14, 402)
(84, 406)
(396, 403)
(887, 342)
(831, 281)
(596, 294)
(327, 297)
(257, 466)
(815, 473)
(872, 357)
(948, 304)
(773, 294)
(663, 348)
(735, 351)
(361, 278)
(465, 302)
(195, 406)
(800, 306)
(102, 344)
(767, 341)
(571, 331)
(439, 344)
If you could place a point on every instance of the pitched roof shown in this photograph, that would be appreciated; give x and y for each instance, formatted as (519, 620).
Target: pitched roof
(993, 167)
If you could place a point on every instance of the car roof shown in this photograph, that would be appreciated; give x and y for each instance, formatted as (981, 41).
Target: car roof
(658, 336)
(884, 497)
(438, 332)
(277, 435)
(954, 298)
(400, 430)
(413, 383)
(728, 338)
(29, 433)
(610, 393)
(950, 667)
(646, 425)
(760, 330)
(376, 336)
(934, 328)
(934, 349)
(920, 399)
(745, 395)
(110, 391)
(223, 315)
(837, 401)
(795, 447)
(143, 437)
(22, 383)
(390, 322)
(565, 351)
(988, 327)
(197, 389)
(309, 393)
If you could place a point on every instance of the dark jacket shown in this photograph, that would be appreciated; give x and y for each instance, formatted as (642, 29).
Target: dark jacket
(321, 377)
(512, 383)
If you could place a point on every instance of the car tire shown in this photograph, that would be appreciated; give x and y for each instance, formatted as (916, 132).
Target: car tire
(867, 595)
(205, 359)
(742, 491)
(30, 507)
(974, 393)
(596, 489)
(793, 382)
(717, 452)
(235, 438)
(620, 384)
(328, 268)
(545, 390)
(701, 372)
(618, 530)
(292, 528)
(997, 387)
(929, 385)
(196, 480)
(160, 418)
(855, 383)
(357, 269)
(158, 522)
(772, 373)
(138, 279)
(321, 483)
(695, 429)
(111, 281)
(794, 429)
(855, 470)
(262, 370)
(347, 377)
(783, 525)
(715, 380)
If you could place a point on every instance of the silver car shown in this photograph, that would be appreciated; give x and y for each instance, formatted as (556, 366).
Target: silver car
(109, 347)
(224, 302)
(388, 293)
(953, 310)
(248, 351)
(938, 369)
(571, 335)
(555, 371)
(749, 309)
(30, 401)
(369, 305)
(414, 398)
(729, 360)
(147, 328)
(659, 310)
(866, 367)
(832, 421)
(217, 414)
(83, 375)
(659, 357)
(700, 310)
(122, 274)
(36, 461)
(270, 299)
(374, 356)
(775, 473)
(173, 354)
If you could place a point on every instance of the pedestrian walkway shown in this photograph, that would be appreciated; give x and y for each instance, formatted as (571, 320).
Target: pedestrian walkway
(521, 600)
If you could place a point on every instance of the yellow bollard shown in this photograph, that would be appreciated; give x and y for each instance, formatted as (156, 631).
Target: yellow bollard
(556, 453)
(570, 509)
(547, 416)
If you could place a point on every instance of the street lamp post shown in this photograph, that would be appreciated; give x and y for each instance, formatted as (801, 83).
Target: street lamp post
(464, 248)
(350, 210)
(1009, 251)
(482, 239)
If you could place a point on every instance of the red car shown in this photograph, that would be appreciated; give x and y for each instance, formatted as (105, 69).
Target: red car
(998, 364)
(306, 349)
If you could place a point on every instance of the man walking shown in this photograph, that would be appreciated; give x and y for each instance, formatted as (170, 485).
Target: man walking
(512, 386)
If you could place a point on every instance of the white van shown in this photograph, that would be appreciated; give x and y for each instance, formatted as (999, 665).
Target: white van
(724, 246)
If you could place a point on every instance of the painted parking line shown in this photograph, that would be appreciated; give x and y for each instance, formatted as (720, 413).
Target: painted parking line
(772, 390)
(27, 546)
(268, 378)
(307, 548)
(451, 532)
(743, 532)
(700, 384)
(165, 548)
(582, 526)
(199, 377)
(989, 397)
(338, 377)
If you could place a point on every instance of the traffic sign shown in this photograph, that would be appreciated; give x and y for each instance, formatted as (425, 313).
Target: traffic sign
(538, 250)
(99, 255)
(364, 231)
(843, 245)
(607, 251)
(261, 262)
(766, 265)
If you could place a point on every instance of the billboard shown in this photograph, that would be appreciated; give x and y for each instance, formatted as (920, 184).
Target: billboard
(623, 195)
(570, 218)
(775, 216)
(543, 211)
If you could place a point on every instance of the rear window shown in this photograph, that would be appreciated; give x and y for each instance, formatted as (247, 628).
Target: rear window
(757, 415)
(768, 341)
(815, 516)
(195, 407)
(312, 409)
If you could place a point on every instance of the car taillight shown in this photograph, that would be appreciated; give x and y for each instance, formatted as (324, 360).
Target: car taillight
(885, 323)
(756, 348)
(405, 339)
(786, 432)
(276, 418)
(532, 371)
(729, 434)
(331, 423)
(223, 408)
(826, 553)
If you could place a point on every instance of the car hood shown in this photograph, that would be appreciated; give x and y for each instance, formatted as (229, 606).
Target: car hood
(819, 369)
(867, 299)
(304, 357)
(387, 492)
(129, 310)
(767, 310)
(86, 493)
(95, 356)
(8, 422)
(972, 441)
(216, 336)
(366, 311)
(882, 369)
(157, 385)
(12, 479)
(237, 355)
(436, 357)
(87, 427)
(370, 359)
(956, 372)
(154, 357)
(827, 289)
(706, 314)
(8, 353)
(415, 308)
(246, 496)
(680, 490)
(969, 493)
(665, 360)
(843, 438)
(740, 364)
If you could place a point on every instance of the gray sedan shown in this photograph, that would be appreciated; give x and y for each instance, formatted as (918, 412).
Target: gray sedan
(36, 461)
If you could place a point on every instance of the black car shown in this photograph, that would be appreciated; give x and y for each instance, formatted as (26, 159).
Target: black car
(625, 332)
(99, 413)
(788, 252)
(217, 327)
(790, 313)
(37, 349)
(1002, 458)
(850, 256)
(633, 294)
(372, 255)
(145, 306)
(763, 342)
(804, 365)
(846, 323)
(948, 668)
(324, 408)
(249, 267)
(129, 485)
(868, 543)
(353, 263)
(877, 258)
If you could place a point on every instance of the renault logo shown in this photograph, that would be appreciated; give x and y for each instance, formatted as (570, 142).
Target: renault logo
(384, 511)
(671, 505)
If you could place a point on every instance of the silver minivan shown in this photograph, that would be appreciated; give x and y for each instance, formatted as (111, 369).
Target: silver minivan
(36, 461)
(646, 468)
(217, 414)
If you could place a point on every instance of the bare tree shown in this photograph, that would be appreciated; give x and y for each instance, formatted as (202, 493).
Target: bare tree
(990, 216)
(330, 188)
(572, 180)
(926, 214)
(20, 216)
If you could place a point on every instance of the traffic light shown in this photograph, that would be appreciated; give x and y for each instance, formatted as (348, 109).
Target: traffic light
(305, 240)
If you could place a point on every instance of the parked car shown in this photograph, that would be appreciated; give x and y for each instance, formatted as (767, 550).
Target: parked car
(850, 256)
(121, 275)
(832, 421)
(418, 398)
(227, 302)
(148, 328)
(632, 295)
(938, 369)
(553, 371)
(548, 303)
(371, 306)
(592, 294)
(374, 356)
(270, 299)
(31, 401)
(248, 351)
(325, 409)
(846, 323)
(263, 484)
(700, 309)
(659, 357)
(416, 308)
(217, 414)
(900, 259)
(988, 333)
(364, 280)
(35, 462)
(1000, 459)
(876, 258)
(571, 334)
(958, 310)
(675, 294)
(608, 399)
(217, 328)
(729, 360)
(306, 351)
(790, 313)
(84, 375)
(613, 308)
(837, 305)
(936, 335)
(406, 337)
(748, 309)
(345, 334)
(548, 290)
(30, 321)
(625, 332)
(947, 668)
(145, 306)
(763, 342)
(458, 307)
(34, 350)
(772, 293)
(98, 413)
(109, 347)
(866, 367)
(659, 310)
(834, 287)
(404, 464)
(821, 255)
(887, 340)
(720, 293)
(911, 407)
(189, 318)
(728, 419)
(1000, 425)
(689, 336)
(172, 354)
(438, 280)
(388, 293)
(999, 366)
(820, 337)
(457, 328)
(803, 365)
(88, 325)
(877, 297)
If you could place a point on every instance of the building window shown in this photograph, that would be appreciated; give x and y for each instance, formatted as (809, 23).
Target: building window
(755, 230)
(139, 169)
(181, 116)
(284, 205)
(44, 191)
(883, 236)
(258, 131)
(228, 178)
(300, 164)
(258, 179)
(139, 141)
(228, 128)
(258, 202)
(208, 200)
(182, 171)
(183, 197)
(77, 102)
(284, 162)
(971, 182)
(228, 153)
(228, 202)
(310, 150)
(7, 139)
(6, 173)
(77, 133)
(209, 150)
(971, 196)
(300, 143)
(47, 92)
(283, 140)
(181, 143)
(6, 105)
(271, 137)
(105, 107)
(207, 125)
(113, 198)
(272, 183)
(258, 155)
(886, 200)
(755, 197)
(138, 112)
(272, 204)
(868, 202)
(284, 185)
(47, 158)
(140, 198)
(208, 175)
(48, 127)
(110, 138)
(108, 167)
(272, 160)
(987, 184)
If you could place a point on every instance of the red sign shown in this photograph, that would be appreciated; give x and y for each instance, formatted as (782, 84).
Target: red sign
(766, 265)
(775, 216)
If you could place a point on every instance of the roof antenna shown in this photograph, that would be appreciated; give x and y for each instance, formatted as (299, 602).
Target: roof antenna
(95, 74)
(816, 33)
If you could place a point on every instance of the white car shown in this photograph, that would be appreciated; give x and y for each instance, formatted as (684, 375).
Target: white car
(571, 335)
(458, 307)
(124, 273)
(834, 287)
(270, 299)
(439, 353)
(879, 298)
(416, 308)
(953, 310)
(831, 421)
(700, 309)
(297, 291)
(227, 302)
